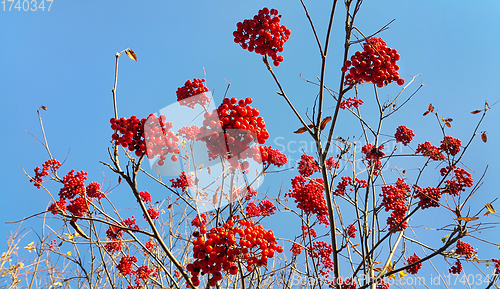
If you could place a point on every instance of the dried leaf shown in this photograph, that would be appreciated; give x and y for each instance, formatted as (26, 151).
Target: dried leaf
(183, 142)
(119, 179)
(303, 129)
(201, 167)
(130, 53)
(324, 122)
(490, 208)
(44, 107)
(78, 229)
(431, 108)
(208, 170)
(483, 137)
(377, 269)
(354, 246)
(477, 111)
(426, 113)
(467, 219)
(214, 199)
(448, 124)
(176, 203)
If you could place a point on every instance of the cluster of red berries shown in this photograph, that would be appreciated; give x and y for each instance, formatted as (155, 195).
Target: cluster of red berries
(373, 155)
(376, 64)
(462, 179)
(497, 265)
(346, 181)
(457, 268)
(115, 234)
(429, 197)
(189, 132)
(182, 182)
(348, 283)
(73, 189)
(265, 208)
(351, 102)
(231, 128)
(151, 136)
(464, 249)
(431, 151)
(351, 231)
(451, 145)
(263, 34)
(404, 135)
(153, 213)
(141, 274)
(307, 166)
(192, 93)
(270, 156)
(394, 199)
(381, 284)
(308, 231)
(309, 197)
(220, 250)
(323, 252)
(39, 175)
(411, 260)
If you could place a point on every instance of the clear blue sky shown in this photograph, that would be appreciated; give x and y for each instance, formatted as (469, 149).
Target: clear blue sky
(64, 59)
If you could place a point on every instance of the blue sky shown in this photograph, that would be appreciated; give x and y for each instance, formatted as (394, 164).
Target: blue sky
(64, 59)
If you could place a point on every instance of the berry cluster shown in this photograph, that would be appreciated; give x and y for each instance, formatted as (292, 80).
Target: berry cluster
(394, 198)
(263, 34)
(346, 181)
(230, 129)
(192, 93)
(431, 151)
(462, 179)
(429, 197)
(457, 268)
(182, 182)
(115, 234)
(373, 155)
(153, 213)
(322, 251)
(381, 284)
(414, 259)
(220, 250)
(296, 249)
(39, 175)
(376, 64)
(141, 274)
(351, 231)
(309, 197)
(307, 166)
(151, 136)
(270, 156)
(404, 135)
(464, 249)
(348, 283)
(189, 132)
(265, 208)
(351, 102)
(451, 145)
(497, 265)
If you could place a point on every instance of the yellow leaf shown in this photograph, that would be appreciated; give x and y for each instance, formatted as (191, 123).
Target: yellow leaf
(490, 208)
(183, 142)
(69, 253)
(30, 247)
(402, 274)
(131, 54)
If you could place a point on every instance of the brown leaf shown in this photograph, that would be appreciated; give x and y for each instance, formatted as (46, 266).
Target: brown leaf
(431, 108)
(130, 53)
(448, 124)
(426, 113)
(324, 122)
(467, 219)
(208, 170)
(303, 129)
(354, 246)
(119, 179)
(483, 137)
(44, 107)
(490, 208)
(214, 199)
(477, 111)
